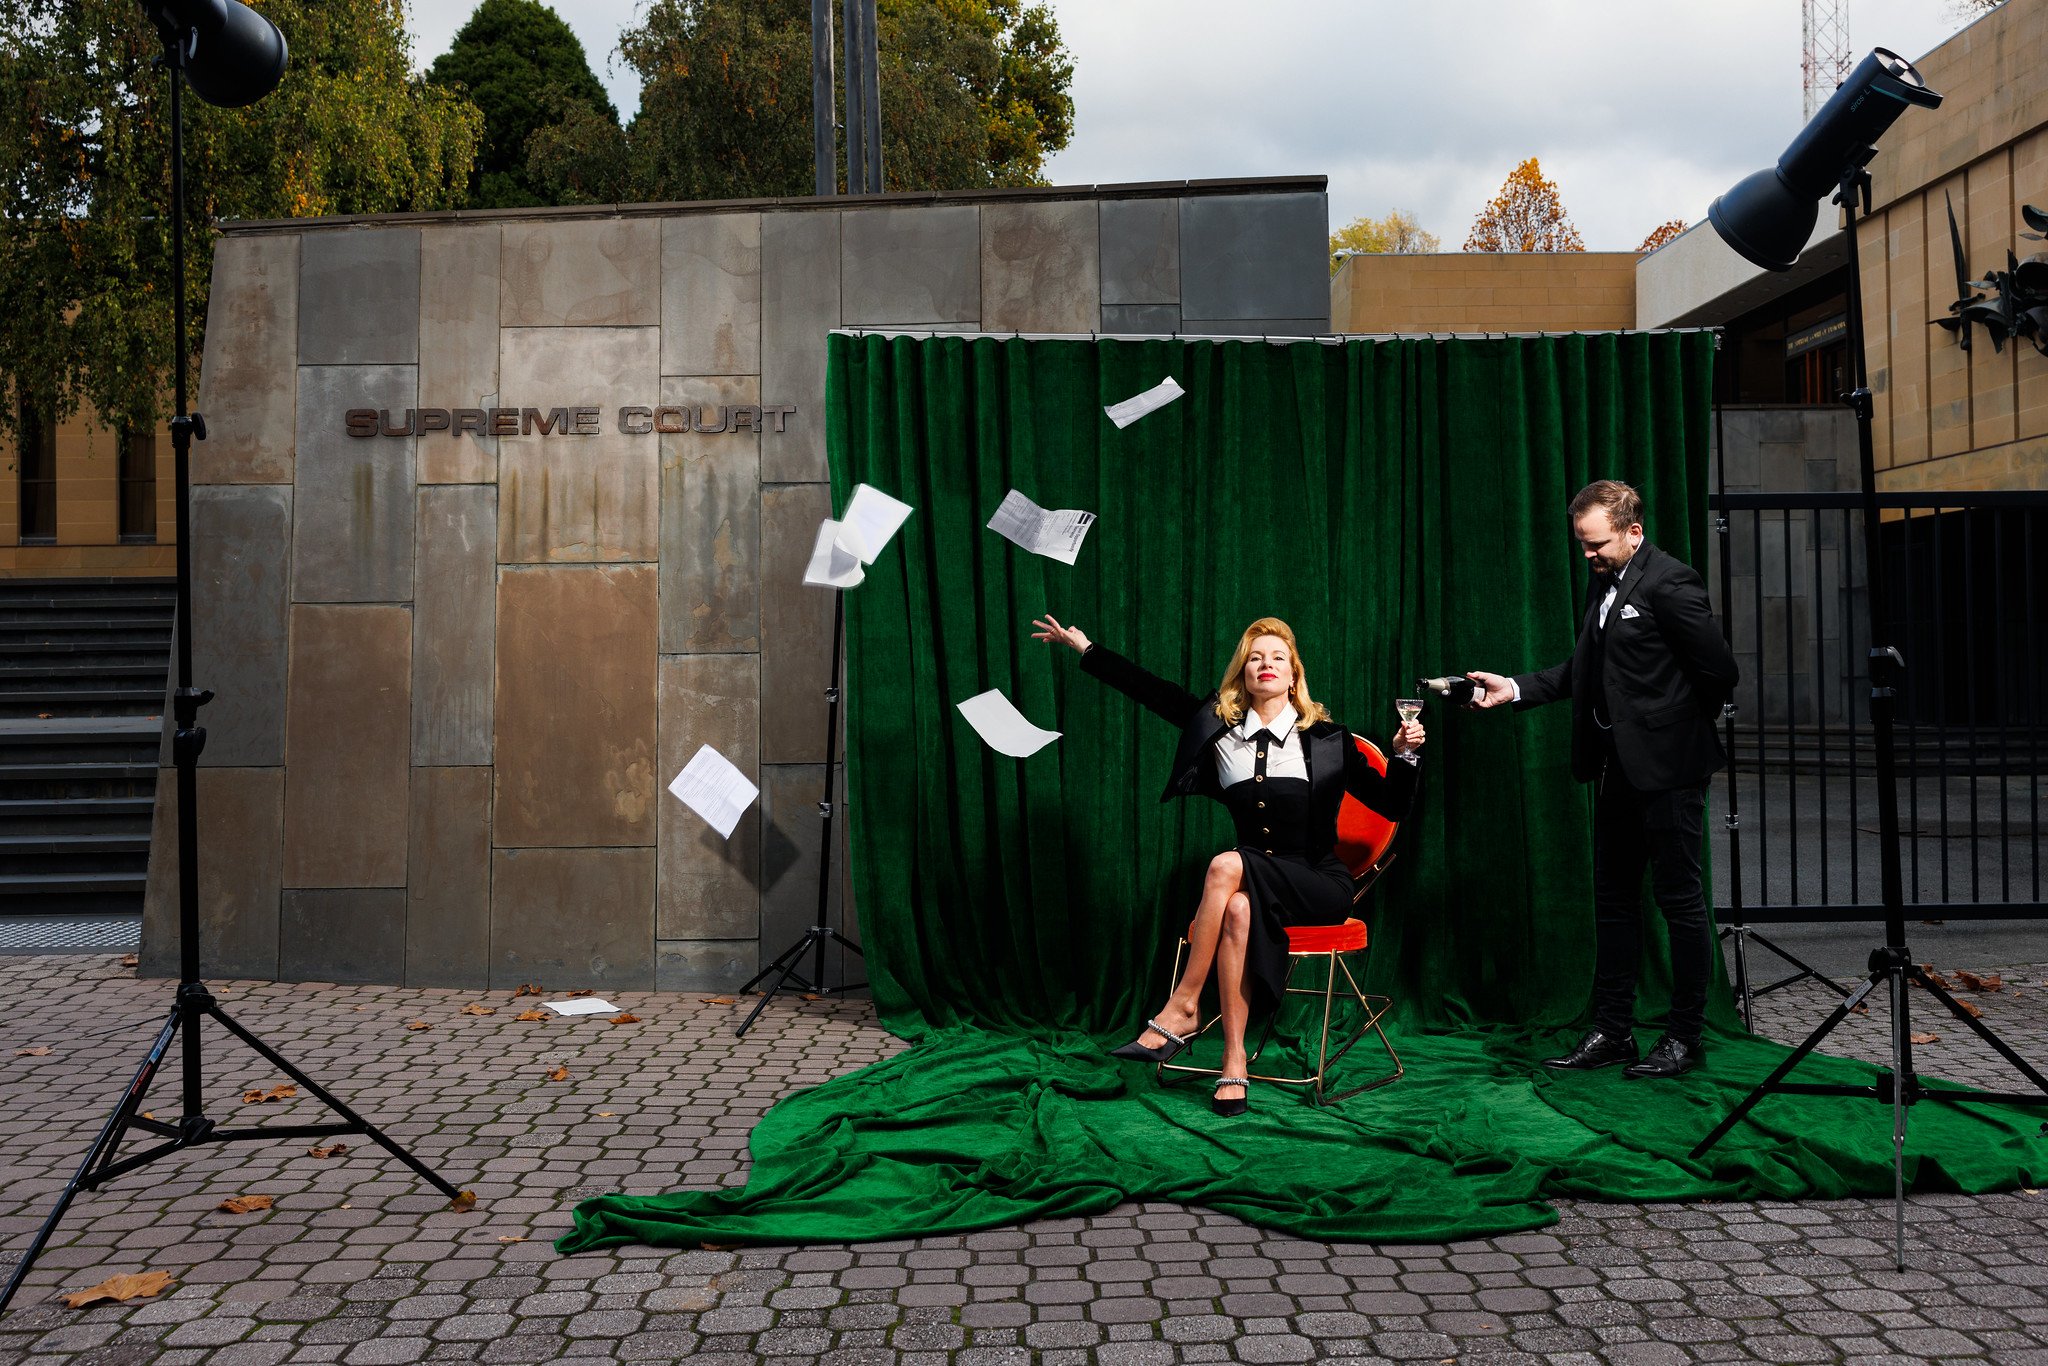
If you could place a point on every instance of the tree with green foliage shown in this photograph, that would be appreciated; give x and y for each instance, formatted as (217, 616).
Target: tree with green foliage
(973, 94)
(526, 70)
(85, 227)
(1398, 234)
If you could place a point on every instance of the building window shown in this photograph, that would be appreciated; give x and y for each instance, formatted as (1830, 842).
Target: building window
(35, 464)
(138, 486)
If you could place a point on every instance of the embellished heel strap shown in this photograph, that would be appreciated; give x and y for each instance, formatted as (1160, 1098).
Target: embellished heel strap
(1245, 1082)
(1168, 1034)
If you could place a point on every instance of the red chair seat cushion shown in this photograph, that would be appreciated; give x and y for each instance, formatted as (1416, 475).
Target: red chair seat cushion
(1342, 938)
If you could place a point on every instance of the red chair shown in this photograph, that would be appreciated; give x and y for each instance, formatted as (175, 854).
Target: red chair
(1365, 841)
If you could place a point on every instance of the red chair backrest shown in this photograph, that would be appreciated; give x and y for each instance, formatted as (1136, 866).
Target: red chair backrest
(1363, 834)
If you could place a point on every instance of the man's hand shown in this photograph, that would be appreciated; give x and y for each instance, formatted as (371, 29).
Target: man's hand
(1050, 630)
(1494, 690)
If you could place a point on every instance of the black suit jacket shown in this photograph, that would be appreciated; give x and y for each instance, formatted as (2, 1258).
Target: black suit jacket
(1334, 764)
(1665, 674)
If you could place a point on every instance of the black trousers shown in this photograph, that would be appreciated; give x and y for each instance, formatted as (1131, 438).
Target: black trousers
(1661, 831)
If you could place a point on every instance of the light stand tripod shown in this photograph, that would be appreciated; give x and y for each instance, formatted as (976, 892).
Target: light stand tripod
(1892, 965)
(785, 966)
(1734, 927)
(193, 1002)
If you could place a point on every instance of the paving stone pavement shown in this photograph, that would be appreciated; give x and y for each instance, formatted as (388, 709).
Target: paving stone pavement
(357, 1263)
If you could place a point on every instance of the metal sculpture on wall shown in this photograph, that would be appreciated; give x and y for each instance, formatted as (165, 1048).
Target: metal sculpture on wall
(2017, 305)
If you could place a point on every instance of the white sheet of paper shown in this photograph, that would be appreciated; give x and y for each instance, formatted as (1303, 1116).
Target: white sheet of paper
(1131, 409)
(832, 564)
(1055, 533)
(582, 1005)
(873, 517)
(996, 719)
(710, 786)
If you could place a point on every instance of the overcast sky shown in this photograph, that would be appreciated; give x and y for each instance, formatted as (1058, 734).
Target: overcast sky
(1640, 110)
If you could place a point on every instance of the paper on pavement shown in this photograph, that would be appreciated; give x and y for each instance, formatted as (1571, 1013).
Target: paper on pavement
(1055, 533)
(1003, 727)
(710, 786)
(1131, 409)
(833, 564)
(871, 517)
(582, 1005)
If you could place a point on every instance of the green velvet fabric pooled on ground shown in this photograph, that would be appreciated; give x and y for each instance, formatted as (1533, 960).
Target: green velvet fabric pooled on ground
(1401, 504)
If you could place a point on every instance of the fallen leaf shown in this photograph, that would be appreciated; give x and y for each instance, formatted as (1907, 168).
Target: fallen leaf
(331, 1150)
(531, 1015)
(511, 1238)
(256, 1095)
(587, 991)
(527, 989)
(148, 1115)
(1971, 1010)
(129, 960)
(1990, 981)
(474, 1009)
(41, 1050)
(464, 1202)
(717, 1000)
(417, 1025)
(625, 1017)
(1924, 1038)
(718, 1247)
(244, 1204)
(358, 1007)
(143, 1285)
(812, 996)
(561, 1073)
(606, 1114)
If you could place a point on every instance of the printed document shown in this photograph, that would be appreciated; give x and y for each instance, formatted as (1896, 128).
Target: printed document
(833, 564)
(710, 786)
(1055, 533)
(872, 517)
(1003, 727)
(1131, 409)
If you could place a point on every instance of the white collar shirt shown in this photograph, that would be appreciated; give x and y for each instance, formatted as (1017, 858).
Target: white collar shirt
(1237, 749)
(1613, 589)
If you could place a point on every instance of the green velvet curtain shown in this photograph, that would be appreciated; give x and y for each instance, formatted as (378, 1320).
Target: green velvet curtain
(1401, 504)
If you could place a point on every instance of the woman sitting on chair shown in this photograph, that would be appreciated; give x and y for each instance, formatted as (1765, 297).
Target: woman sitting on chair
(1264, 748)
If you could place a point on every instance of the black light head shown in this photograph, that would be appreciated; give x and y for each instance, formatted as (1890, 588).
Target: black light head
(233, 56)
(1768, 217)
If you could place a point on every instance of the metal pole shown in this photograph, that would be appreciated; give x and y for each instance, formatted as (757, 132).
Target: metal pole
(871, 98)
(824, 105)
(856, 100)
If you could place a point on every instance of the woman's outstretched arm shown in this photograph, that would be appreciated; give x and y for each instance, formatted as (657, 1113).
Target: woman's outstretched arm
(1166, 700)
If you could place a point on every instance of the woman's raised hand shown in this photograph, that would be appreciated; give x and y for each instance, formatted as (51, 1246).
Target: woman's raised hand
(1049, 630)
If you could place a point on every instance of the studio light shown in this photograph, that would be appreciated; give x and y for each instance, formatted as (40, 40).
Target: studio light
(233, 55)
(1768, 217)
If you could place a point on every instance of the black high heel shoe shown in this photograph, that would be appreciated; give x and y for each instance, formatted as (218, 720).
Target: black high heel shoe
(1137, 1052)
(1232, 1108)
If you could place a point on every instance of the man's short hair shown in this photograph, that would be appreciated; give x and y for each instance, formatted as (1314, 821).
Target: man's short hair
(1624, 505)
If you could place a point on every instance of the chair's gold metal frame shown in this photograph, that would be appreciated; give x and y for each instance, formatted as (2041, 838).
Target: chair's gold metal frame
(1371, 1008)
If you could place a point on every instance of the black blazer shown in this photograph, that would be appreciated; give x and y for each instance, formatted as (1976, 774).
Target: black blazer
(1334, 764)
(1666, 671)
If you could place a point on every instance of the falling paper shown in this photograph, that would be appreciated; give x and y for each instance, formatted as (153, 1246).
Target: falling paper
(1055, 533)
(833, 564)
(582, 1005)
(872, 517)
(710, 786)
(1131, 409)
(1004, 728)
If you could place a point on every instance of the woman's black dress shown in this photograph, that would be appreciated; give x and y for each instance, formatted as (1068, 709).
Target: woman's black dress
(1286, 827)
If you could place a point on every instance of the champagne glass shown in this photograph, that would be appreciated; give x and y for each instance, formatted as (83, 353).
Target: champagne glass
(1409, 707)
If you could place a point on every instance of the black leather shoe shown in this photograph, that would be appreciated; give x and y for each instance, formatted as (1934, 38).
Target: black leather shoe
(1597, 1049)
(1670, 1058)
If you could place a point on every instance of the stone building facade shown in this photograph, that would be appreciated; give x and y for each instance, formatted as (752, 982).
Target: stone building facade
(458, 659)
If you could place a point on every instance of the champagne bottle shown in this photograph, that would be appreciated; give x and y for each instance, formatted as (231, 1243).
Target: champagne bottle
(1457, 689)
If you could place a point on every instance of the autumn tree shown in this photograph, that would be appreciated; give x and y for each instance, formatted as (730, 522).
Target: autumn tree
(973, 94)
(525, 69)
(85, 231)
(1661, 234)
(1527, 215)
(1398, 234)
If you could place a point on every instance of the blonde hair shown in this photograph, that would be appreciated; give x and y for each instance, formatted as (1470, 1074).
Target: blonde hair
(1230, 703)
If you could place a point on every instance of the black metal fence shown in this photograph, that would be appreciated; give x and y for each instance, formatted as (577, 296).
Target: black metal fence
(1967, 595)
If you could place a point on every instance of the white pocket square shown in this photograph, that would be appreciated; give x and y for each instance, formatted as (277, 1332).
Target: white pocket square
(1629, 612)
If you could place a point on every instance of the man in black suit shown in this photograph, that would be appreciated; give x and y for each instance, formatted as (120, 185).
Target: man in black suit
(1646, 679)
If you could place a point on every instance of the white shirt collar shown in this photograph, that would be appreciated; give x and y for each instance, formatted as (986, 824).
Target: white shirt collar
(1281, 725)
